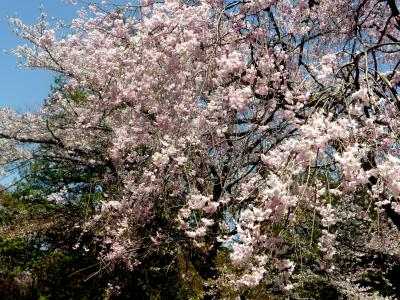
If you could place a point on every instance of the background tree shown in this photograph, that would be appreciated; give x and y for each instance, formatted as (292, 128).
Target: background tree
(41, 215)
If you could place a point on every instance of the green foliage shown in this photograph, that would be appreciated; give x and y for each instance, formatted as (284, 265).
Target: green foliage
(37, 260)
(319, 288)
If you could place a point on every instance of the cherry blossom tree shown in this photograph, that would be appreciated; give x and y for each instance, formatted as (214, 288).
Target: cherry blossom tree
(260, 130)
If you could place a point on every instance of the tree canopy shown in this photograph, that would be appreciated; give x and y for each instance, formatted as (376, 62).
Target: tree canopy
(218, 149)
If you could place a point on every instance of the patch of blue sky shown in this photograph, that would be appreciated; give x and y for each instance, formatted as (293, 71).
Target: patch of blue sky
(25, 89)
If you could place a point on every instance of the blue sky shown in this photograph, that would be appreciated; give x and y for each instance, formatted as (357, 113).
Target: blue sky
(23, 89)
